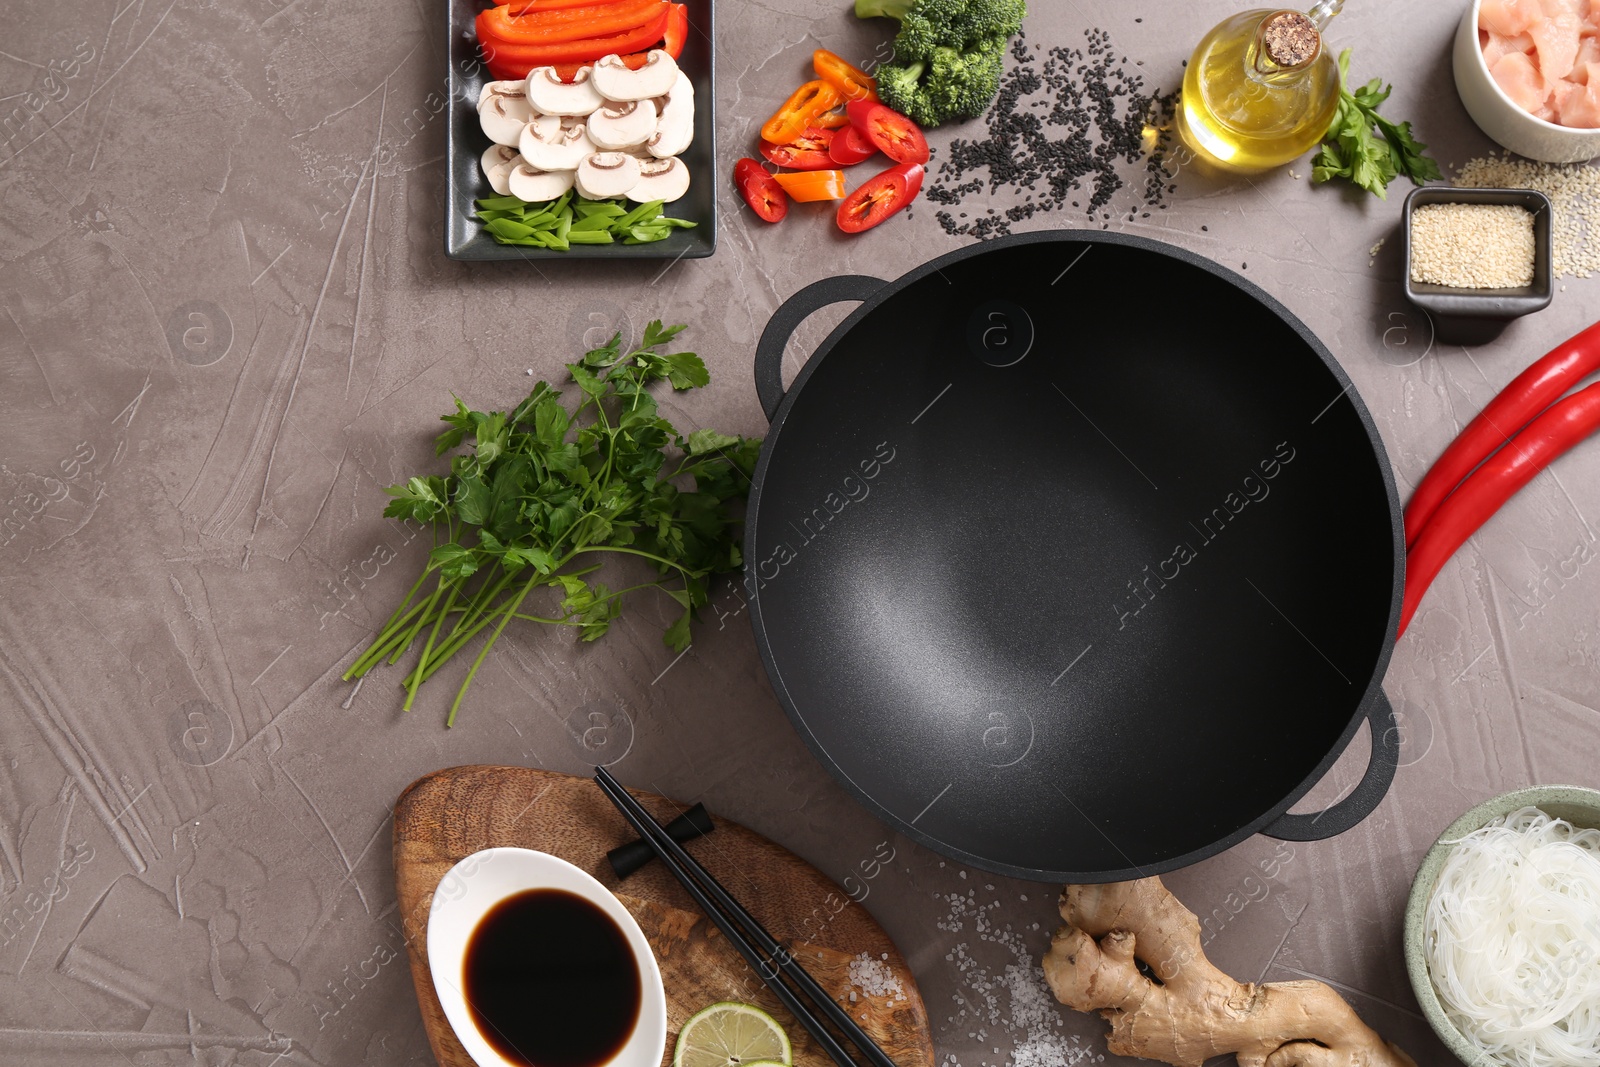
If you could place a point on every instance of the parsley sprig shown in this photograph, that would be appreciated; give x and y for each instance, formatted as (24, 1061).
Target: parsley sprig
(1354, 153)
(542, 496)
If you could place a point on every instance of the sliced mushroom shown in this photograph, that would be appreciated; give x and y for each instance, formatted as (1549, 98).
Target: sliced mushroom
(548, 143)
(660, 179)
(621, 124)
(502, 116)
(616, 82)
(498, 160)
(535, 185)
(516, 87)
(675, 124)
(604, 175)
(549, 95)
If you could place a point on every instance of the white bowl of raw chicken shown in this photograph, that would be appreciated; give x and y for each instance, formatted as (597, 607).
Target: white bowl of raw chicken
(1495, 70)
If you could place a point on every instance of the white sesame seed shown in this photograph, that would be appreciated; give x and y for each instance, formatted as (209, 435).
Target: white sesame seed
(1574, 192)
(1472, 246)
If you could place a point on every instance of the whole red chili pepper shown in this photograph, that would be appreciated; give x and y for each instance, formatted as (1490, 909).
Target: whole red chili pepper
(1550, 435)
(1528, 394)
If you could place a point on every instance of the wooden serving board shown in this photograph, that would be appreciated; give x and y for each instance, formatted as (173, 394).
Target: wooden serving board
(448, 815)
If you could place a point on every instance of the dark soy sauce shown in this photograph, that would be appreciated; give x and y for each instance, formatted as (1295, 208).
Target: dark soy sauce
(551, 980)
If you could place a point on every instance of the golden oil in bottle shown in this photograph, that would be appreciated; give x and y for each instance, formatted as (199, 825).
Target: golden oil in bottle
(1260, 90)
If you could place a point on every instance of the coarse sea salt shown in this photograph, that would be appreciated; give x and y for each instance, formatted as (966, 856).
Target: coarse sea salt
(874, 978)
(1010, 1000)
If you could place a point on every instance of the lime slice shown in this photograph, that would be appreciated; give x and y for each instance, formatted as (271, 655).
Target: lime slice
(732, 1035)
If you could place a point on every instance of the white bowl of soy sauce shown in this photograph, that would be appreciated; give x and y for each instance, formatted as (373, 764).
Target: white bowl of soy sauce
(536, 964)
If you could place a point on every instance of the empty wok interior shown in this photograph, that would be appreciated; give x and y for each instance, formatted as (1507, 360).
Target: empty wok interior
(1094, 611)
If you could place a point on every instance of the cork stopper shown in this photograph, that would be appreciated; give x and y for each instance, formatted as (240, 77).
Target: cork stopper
(1290, 39)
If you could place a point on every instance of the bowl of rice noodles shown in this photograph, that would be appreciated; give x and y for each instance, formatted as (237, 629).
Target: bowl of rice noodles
(1502, 933)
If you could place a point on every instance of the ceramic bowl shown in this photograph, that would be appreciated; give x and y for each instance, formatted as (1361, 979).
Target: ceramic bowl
(1577, 805)
(484, 879)
(1468, 316)
(1500, 117)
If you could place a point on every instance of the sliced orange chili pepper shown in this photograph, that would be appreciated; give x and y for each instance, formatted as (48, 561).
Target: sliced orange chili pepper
(538, 28)
(808, 103)
(849, 81)
(833, 120)
(809, 185)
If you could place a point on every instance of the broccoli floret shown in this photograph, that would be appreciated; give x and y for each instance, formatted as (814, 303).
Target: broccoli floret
(959, 24)
(951, 85)
(948, 55)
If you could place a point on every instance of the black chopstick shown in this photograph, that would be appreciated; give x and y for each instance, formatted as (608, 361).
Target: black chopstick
(770, 959)
(648, 829)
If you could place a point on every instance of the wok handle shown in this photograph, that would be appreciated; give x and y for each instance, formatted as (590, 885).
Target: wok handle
(1367, 794)
(788, 317)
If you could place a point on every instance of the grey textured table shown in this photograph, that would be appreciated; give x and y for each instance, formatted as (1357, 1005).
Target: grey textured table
(227, 322)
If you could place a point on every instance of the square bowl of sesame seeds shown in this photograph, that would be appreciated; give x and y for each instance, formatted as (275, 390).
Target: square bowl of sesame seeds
(1478, 257)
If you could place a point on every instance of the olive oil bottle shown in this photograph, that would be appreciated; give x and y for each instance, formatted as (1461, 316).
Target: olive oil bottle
(1260, 90)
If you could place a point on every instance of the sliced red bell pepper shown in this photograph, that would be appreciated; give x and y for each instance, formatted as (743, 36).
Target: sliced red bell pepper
(808, 185)
(538, 28)
(512, 53)
(518, 6)
(880, 197)
(801, 110)
(760, 190)
(809, 151)
(894, 135)
(676, 35)
(850, 81)
(568, 72)
(850, 146)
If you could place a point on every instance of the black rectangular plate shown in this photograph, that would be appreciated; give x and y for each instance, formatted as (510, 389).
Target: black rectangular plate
(465, 237)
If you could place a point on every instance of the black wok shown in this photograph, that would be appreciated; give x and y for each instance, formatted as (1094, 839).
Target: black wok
(1075, 556)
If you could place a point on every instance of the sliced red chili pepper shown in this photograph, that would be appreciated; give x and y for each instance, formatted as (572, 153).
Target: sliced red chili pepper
(550, 27)
(850, 146)
(1528, 394)
(894, 135)
(511, 56)
(852, 82)
(1562, 426)
(677, 32)
(760, 190)
(808, 152)
(808, 185)
(800, 111)
(879, 197)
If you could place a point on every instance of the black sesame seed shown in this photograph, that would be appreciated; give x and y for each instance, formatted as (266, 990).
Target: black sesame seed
(1065, 120)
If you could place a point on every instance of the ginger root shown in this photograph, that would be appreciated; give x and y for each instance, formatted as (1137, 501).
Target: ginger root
(1191, 1011)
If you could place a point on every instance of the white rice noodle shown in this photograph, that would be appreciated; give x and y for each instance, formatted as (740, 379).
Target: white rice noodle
(1512, 936)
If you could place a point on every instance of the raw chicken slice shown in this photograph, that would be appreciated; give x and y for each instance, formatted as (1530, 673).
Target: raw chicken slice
(1579, 105)
(1498, 46)
(1555, 37)
(1509, 18)
(1520, 78)
(1588, 52)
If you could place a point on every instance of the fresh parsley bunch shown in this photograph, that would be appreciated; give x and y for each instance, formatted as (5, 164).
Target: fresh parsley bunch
(1352, 151)
(543, 495)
